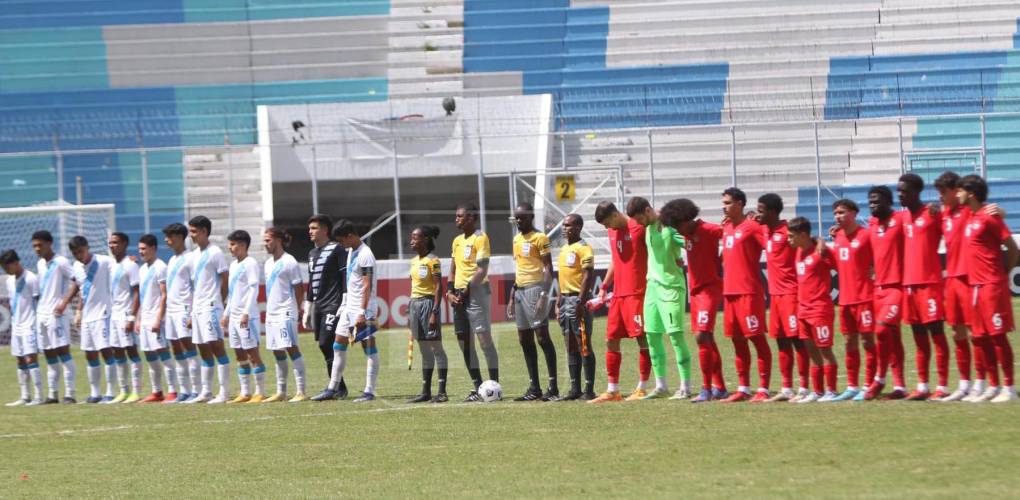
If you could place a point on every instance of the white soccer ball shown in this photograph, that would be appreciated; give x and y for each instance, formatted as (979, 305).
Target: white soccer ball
(490, 391)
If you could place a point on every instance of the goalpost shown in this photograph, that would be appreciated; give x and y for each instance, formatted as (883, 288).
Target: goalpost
(94, 222)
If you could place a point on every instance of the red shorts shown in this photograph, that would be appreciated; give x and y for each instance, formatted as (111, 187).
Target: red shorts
(957, 300)
(744, 315)
(704, 306)
(888, 300)
(856, 318)
(783, 316)
(625, 320)
(993, 311)
(817, 330)
(922, 304)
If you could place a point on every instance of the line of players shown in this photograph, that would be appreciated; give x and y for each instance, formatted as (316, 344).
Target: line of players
(190, 306)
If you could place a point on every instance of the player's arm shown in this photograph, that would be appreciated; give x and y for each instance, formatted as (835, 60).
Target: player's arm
(607, 282)
(482, 252)
(299, 289)
(162, 307)
(450, 296)
(366, 280)
(72, 290)
(437, 297)
(1012, 253)
(135, 304)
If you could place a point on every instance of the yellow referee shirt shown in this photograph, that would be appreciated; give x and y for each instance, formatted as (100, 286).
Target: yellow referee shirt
(529, 249)
(425, 275)
(467, 252)
(574, 259)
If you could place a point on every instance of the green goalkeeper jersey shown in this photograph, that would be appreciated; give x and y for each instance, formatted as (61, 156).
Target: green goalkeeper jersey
(664, 260)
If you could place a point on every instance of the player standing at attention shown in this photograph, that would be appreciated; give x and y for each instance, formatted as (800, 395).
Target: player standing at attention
(327, 281)
(210, 279)
(356, 317)
(92, 276)
(284, 291)
(470, 296)
(922, 282)
(743, 295)
(149, 326)
(529, 302)
(627, 275)
(886, 235)
(124, 284)
(423, 312)
(782, 280)
(179, 287)
(703, 266)
(854, 262)
(665, 302)
(576, 277)
(23, 294)
(241, 319)
(54, 273)
(992, 314)
(815, 310)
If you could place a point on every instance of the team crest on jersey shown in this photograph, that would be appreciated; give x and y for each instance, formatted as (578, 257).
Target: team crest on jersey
(778, 237)
(738, 234)
(855, 244)
(919, 223)
(800, 268)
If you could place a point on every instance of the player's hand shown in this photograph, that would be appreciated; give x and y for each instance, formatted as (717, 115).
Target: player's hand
(933, 209)
(130, 326)
(360, 321)
(832, 231)
(750, 216)
(225, 321)
(245, 319)
(510, 309)
(556, 310)
(454, 298)
(77, 318)
(306, 318)
(188, 323)
(602, 295)
(155, 327)
(433, 322)
(820, 247)
(994, 210)
(138, 328)
(59, 309)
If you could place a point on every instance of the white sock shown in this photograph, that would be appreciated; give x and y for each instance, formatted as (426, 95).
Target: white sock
(964, 386)
(156, 374)
(642, 384)
(136, 376)
(183, 372)
(36, 375)
(979, 385)
(260, 379)
(921, 387)
(299, 373)
(123, 375)
(111, 378)
(744, 389)
(206, 377)
(170, 371)
(660, 383)
(787, 391)
(53, 379)
(23, 382)
(611, 387)
(195, 373)
(281, 375)
(94, 373)
(70, 372)
(339, 362)
(371, 372)
(941, 388)
(803, 391)
(223, 372)
(244, 377)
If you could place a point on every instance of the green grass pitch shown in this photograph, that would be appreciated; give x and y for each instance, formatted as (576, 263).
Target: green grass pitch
(390, 449)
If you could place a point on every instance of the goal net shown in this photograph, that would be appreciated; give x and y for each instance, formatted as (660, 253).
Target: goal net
(94, 222)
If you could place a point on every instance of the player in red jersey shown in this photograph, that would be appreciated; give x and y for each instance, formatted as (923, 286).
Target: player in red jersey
(886, 234)
(815, 311)
(922, 284)
(626, 275)
(854, 261)
(992, 315)
(782, 279)
(705, 285)
(744, 295)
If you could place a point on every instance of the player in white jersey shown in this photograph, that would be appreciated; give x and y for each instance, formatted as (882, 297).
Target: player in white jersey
(92, 278)
(284, 291)
(356, 317)
(23, 293)
(54, 332)
(177, 323)
(209, 291)
(124, 287)
(149, 322)
(241, 320)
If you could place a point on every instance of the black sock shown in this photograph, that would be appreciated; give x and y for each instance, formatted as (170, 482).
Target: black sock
(470, 358)
(549, 350)
(491, 358)
(589, 372)
(441, 364)
(426, 380)
(574, 367)
(342, 386)
(530, 360)
(442, 380)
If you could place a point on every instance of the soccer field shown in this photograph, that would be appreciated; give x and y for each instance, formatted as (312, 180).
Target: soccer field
(390, 449)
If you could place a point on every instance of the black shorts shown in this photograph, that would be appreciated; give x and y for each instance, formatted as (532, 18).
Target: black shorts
(420, 312)
(324, 323)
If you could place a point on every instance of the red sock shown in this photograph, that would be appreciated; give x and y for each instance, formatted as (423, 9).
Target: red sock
(941, 358)
(870, 362)
(979, 359)
(831, 369)
(922, 356)
(803, 364)
(613, 360)
(853, 366)
(705, 361)
(764, 352)
(816, 379)
(991, 361)
(717, 374)
(1004, 354)
(644, 364)
(742, 360)
(963, 358)
(786, 364)
(883, 344)
(897, 358)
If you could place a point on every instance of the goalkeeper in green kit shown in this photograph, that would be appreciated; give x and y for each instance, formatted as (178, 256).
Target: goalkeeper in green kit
(665, 298)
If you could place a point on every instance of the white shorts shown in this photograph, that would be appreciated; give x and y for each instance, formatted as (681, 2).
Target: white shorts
(281, 334)
(119, 336)
(348, 319)
(243, 336)
(176, 326)
(95, 335)
(54, 332)
(205, 326)
(24, 343)
(150, 341)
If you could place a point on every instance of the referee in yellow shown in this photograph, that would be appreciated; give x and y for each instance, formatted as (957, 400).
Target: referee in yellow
(577, 276)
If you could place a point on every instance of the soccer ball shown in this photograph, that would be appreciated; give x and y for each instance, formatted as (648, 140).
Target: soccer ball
(490, 391)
